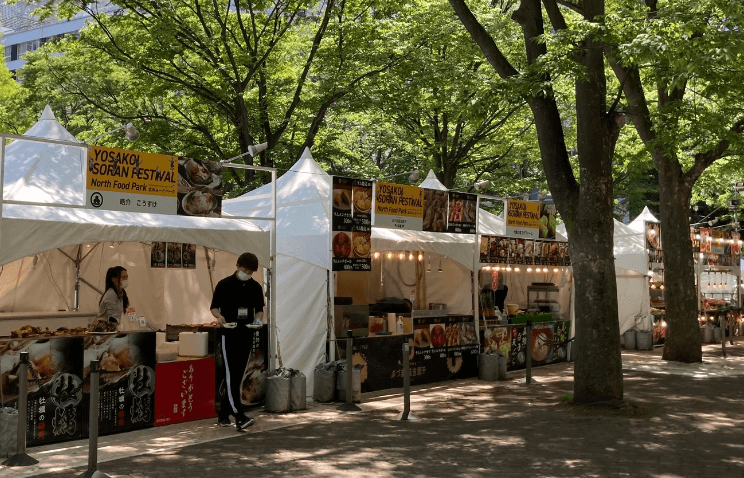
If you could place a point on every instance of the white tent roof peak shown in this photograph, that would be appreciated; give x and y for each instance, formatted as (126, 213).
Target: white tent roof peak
(432, 182)
(306, 153)
(47, 114)
(45, 172)
(645, 216)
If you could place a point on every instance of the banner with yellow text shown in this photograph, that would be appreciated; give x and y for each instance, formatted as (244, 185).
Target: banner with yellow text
(522, 219)
(398, 206)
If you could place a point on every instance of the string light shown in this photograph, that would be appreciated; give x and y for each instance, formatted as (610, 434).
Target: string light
(555, 270)
(545, 269)
(377, 255)
(421, 257)
(487, 268)
(401, 256)
(389, 255)
(529, 269)
(516, 269)
(410, 256)
(508, 269)
(499, 268)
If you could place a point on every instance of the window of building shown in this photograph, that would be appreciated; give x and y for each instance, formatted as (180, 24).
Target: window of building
(25, 47)
(8, 53)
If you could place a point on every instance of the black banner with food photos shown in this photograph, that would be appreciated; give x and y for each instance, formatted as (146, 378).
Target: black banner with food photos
(55, 410)
(351, 224)
(511, 250)
(253, 385)
(441, 348)
(174, 251)
(435, 210)
(461, 216)
(126, 398)
(548, 343)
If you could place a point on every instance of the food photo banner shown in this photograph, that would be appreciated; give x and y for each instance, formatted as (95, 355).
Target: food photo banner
(512, 250)
(132, 181)
(461, 217)
(351, 224)
(712, 247)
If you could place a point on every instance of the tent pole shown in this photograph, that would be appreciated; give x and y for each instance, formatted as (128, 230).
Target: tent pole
(2, 183)
(330, 318)
(209, 268)
(274, 339)
(476, 270)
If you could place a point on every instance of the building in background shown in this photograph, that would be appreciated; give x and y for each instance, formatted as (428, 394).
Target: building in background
(21, 32)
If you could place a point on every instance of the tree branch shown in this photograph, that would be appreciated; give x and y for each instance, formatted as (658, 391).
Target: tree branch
(703, 160)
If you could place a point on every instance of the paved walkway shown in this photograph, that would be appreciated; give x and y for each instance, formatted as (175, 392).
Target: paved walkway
(678, 420)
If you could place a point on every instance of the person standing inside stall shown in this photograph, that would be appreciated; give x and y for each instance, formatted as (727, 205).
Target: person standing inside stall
(237, 303)
(114, 300)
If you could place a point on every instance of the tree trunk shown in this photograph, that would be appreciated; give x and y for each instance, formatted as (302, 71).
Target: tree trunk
(683, 342)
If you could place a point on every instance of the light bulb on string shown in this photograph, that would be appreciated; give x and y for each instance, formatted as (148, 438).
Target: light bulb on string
(529, 269)
(377, 255)
(389, 255)
(508, 268)
(545, 269)
(410, 256)
(516, 269)
(401, 255)
(497, 268)
(421, 257)
(555, 269)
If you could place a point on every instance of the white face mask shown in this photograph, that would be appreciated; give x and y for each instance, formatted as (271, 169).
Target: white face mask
(243, 276)
(123, 284)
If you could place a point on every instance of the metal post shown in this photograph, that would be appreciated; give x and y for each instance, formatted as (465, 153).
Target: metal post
(349, 405)
(21, 458)
(92, 472)
(406, 415)
(528, 352)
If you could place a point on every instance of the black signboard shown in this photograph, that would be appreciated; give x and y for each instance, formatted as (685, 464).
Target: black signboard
(351, 224)
(253, 384)
(510, 250)
(548, 343)
(441, 348)
(54, 401)
(188, 256)
(126, 382)
(461, 216)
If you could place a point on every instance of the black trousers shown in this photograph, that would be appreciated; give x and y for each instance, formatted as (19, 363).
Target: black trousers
(236, 350)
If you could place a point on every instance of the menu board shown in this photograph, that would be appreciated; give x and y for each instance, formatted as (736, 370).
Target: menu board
(55, 410)
(174, 251)
(461, 217)
(705, 240)
(511, 250)
(188, 256)
(351, 224)
(157, 255)
(126, 382)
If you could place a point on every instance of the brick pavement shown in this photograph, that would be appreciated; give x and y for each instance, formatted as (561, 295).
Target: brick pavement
(677, 420)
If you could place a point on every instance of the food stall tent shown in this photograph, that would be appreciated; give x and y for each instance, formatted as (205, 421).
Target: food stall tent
(632, 279)
(52, 178)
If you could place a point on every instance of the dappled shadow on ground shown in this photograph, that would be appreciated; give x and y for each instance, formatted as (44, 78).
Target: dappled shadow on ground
(668, 425)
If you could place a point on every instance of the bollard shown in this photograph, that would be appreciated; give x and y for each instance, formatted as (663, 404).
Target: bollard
(92, 471)
(21, 458)
(349, 405)
(528, 352)
(406, 415)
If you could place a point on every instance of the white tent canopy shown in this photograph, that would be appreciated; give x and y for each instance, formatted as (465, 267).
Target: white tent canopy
(48, 173)
(630, 270)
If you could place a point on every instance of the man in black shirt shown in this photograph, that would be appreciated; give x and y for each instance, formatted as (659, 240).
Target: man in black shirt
(237, 303)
